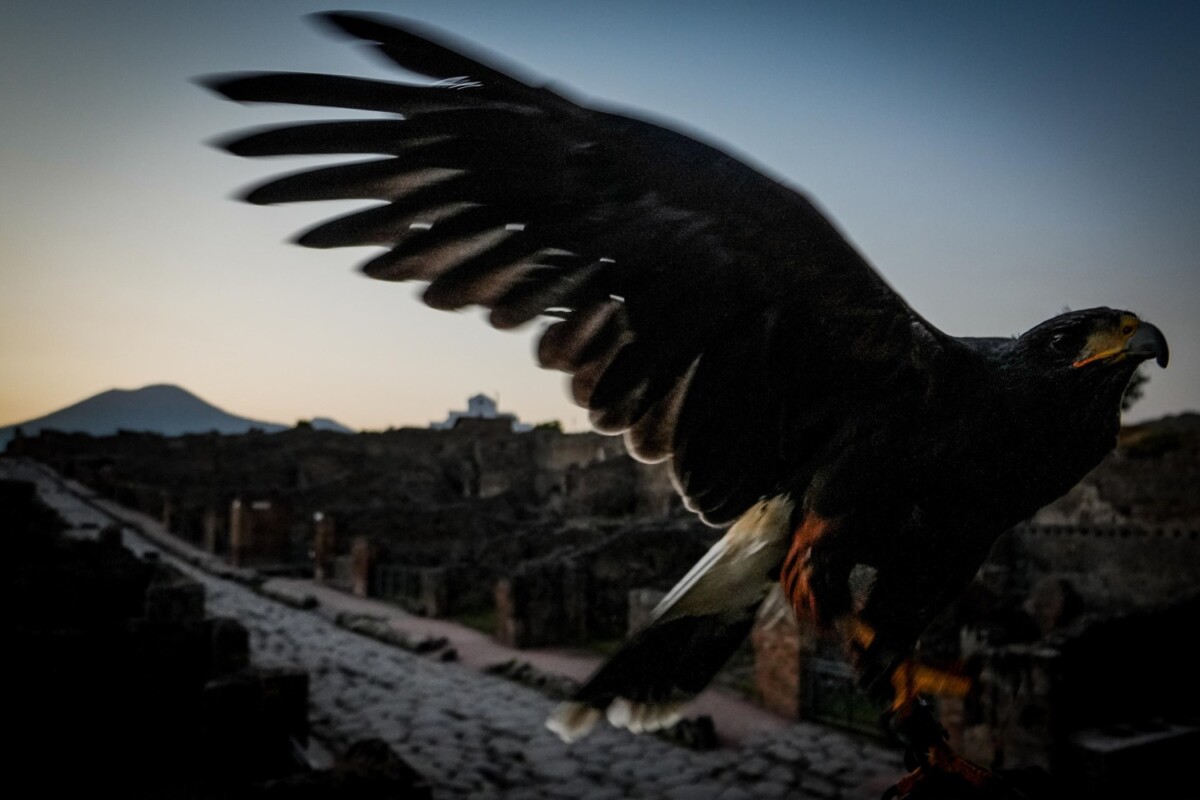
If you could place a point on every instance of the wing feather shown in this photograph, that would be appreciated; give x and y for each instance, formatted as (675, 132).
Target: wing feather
(707, 311)
(381, 179)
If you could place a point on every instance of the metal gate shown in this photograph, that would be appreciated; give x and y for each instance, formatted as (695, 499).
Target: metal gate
(832, 696)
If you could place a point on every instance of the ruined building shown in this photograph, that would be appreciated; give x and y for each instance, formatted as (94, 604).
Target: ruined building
(1069, 633)
(430, 519)
(125, 687)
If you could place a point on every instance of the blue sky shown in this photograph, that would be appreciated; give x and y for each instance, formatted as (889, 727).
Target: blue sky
(997, 162)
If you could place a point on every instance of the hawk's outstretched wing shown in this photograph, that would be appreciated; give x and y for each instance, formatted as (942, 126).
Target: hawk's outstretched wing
(707, 311)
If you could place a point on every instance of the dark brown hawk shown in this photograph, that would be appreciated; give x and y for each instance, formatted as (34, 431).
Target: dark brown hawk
(716, 319)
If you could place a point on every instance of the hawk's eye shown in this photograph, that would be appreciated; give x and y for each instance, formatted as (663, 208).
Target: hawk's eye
(1061, 345)
(1128, 329)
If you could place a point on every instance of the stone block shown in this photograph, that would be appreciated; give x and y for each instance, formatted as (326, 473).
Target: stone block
(229, 643)
(111, 536)
(284, 694)
(172, 657)
(231, 719)
(175, 600)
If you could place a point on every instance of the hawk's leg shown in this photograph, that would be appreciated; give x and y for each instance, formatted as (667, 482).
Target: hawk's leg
(937, 771)
(815, 588)
(797, 574)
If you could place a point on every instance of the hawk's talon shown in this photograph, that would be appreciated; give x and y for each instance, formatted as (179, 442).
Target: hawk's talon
(935, 770)
(947, 774)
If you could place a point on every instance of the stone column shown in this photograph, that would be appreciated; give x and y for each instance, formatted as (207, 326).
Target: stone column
(508, 628)
(167, 515)
(324, 545)
(212, 530)
(363, 554)
(778, 656)
(237, 532)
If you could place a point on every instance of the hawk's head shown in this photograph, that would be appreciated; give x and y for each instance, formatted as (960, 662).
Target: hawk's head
(1094, 340)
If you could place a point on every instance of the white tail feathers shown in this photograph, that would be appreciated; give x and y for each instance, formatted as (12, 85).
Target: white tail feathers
(691, 634)
(642, 717)
(572, 721)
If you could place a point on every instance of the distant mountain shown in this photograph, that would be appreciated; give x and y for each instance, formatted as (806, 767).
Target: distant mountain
(327, 424)
(162, 408)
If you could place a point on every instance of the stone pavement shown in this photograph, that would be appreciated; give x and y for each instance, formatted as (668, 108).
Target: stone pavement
(735, 718)
(478, 736)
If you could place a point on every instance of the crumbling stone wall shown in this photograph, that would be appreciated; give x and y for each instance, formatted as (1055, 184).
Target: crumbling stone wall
(428, 591)
(259, 532)
(1112, 568)
(1148, 482)
(601, 489)
(581, 591)
(541, 603)
(655, 493)
(1066, 629)
(117, 652)
(427, 498)
(645, 555)
(1090, 642)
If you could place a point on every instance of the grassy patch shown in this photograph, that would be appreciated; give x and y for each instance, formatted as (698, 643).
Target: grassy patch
(482, 620)
(604, 647)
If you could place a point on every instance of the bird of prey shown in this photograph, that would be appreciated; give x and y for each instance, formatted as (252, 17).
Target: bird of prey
(709, 313)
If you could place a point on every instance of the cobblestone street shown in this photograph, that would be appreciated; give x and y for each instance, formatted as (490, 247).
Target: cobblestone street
(479, 736)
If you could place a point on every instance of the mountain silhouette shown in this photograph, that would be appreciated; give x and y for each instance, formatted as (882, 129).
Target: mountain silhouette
(162, 408)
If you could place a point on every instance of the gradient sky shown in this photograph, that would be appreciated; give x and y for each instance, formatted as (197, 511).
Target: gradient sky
(996, 162)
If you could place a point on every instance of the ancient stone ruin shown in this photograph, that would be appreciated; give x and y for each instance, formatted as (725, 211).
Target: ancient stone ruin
(1070, 633)
(123, 686)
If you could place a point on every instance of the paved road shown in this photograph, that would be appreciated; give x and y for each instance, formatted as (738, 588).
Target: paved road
(477, 736)
(735, 718)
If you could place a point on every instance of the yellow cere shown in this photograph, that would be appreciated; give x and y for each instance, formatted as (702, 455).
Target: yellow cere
(1108, 342)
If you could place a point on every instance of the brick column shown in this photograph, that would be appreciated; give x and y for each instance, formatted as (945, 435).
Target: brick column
(324, 545)
(362, 560)
(237, 532)
(778, 652)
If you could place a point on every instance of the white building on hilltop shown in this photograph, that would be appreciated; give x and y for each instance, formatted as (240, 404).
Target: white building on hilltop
(480, 407)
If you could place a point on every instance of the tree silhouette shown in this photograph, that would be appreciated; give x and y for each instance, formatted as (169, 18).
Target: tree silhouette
(1135, 390)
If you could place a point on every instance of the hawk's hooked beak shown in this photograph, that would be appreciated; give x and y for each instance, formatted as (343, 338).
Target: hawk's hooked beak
(1148, 342)
(1143, 342)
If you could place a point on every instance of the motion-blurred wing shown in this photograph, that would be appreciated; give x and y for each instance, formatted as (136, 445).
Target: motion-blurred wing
(708, 312)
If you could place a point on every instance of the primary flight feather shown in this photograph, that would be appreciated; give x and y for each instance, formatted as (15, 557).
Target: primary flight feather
(716, 319)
